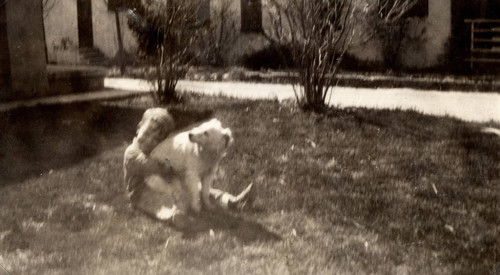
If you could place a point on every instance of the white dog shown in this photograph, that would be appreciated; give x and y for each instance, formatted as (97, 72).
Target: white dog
(195, 155)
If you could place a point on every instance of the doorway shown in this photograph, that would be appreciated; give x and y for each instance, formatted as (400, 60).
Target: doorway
(85, 33)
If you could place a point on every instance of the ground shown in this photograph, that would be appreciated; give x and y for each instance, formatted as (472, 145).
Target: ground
(354, 191)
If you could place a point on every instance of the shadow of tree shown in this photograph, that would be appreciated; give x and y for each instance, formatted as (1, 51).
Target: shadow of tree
(35, 140)
(244, 230)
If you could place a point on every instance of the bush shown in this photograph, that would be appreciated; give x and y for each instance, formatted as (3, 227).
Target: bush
(353, 64)
(166, 32)
(318, 33)
(273, 57)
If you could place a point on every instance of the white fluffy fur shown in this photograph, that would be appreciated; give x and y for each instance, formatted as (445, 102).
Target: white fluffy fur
(195, 155)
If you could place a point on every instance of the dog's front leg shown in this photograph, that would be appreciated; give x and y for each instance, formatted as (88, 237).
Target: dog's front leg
(206, 185)
(193, 185)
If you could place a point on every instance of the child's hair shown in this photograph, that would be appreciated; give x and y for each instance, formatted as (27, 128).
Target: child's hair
(155, 125)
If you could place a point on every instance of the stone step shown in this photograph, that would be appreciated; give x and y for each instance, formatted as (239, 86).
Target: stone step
(93, 56)
(75, 79)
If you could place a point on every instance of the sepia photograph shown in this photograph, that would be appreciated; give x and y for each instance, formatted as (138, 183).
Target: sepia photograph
(250, 137)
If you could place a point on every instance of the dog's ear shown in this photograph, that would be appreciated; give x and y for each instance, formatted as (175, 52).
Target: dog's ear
(215, 122)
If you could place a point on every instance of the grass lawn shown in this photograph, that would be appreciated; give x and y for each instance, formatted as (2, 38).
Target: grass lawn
(353, 192)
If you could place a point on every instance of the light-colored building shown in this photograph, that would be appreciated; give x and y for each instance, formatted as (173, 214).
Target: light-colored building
(85, 31)
(425, 45)
(426, 40)
(437, 33)
(78, 30)
(244, 21)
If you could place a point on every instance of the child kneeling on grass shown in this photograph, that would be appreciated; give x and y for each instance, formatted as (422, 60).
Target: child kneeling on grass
(150, 184)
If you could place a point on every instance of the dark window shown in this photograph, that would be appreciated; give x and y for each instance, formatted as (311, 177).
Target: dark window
(251, 15)
(421, 9)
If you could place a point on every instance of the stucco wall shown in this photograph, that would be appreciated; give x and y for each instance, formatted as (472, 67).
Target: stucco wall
(61, 29)
(105, 30)
(129, 39)
(28, 67)
(428, 49)
(425, 43)
(241, 43)
(61, 32)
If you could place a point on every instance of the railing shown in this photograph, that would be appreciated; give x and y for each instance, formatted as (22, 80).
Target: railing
(484, 41)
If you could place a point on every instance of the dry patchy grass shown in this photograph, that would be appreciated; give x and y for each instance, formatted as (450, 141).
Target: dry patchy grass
(352, 191)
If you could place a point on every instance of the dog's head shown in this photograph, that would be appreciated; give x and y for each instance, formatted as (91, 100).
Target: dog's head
(212, 136)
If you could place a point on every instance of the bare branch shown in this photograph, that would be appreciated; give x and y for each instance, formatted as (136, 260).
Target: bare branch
(318, 33)
(167, 31)
(393, 10)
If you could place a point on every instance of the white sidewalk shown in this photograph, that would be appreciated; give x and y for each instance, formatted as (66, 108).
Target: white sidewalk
(469, 106)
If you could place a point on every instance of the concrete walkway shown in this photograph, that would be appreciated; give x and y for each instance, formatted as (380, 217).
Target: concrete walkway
(468, 106)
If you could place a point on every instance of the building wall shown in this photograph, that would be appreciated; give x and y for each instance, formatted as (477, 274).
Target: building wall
(237, 43)
(129, 40)
(61, 28)
(425, 44)
(105, 30)
(26, 46)
(61, 31)
(430, 48)
(240, 44)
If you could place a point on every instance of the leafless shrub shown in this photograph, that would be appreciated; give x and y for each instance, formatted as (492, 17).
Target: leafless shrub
(388, 21)
(317, 33)
(217, 36)
(167, 31)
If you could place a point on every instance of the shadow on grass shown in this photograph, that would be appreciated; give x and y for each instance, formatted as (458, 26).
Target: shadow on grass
(482, 155)
(244, 230)
(36, 140)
